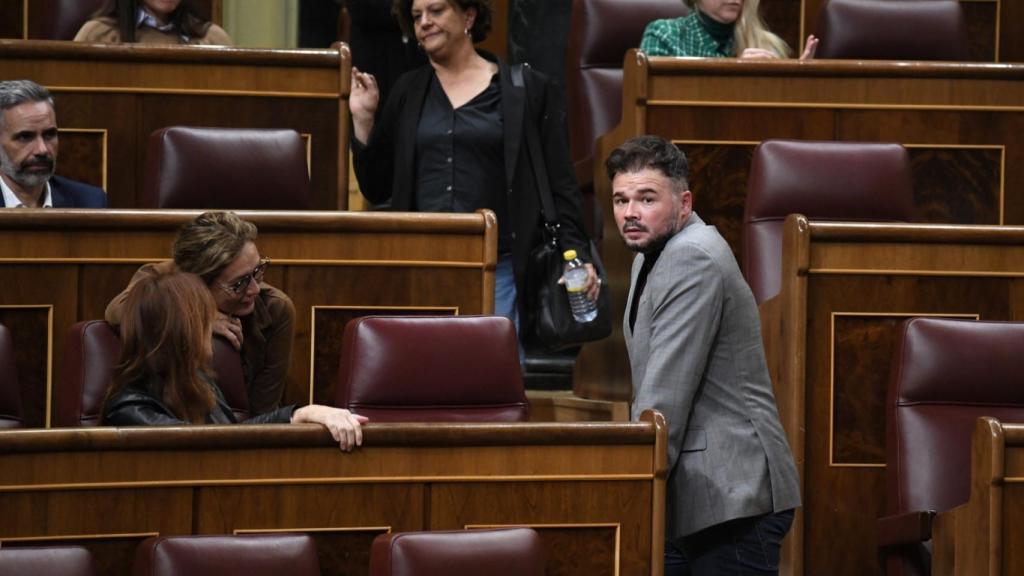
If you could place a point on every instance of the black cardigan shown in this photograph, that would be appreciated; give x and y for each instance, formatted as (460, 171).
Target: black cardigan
(385, 166)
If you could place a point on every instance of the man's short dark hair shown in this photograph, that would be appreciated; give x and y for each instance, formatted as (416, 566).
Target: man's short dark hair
(17, 92)
(655, 152)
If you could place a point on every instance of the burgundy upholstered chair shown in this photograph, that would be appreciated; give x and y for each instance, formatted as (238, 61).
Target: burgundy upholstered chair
(246, 555)
(226, 168)
(502, 552)
(11, 412)
(48, 560)
(92, 349)
(431, 368)
(847, 181)
(944, 375)
(600, 33)
(893, 30)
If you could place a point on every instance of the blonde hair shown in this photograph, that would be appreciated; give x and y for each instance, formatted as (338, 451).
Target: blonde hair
(751, 32)
(208, 244)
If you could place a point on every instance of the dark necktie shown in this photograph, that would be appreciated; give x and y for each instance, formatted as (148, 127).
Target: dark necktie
(641, 282)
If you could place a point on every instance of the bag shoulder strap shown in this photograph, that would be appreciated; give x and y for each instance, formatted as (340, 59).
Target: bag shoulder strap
(540, 171)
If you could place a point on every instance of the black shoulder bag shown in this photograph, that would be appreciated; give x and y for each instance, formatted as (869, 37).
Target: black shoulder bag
(549, 321)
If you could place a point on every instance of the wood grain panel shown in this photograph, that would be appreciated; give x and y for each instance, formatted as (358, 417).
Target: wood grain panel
(30, 329)
(132, 90)
(844, 287)
(595, 490)
(461, 505)
(12, 22)
(83, 155)
(957, 185)
(76, 261)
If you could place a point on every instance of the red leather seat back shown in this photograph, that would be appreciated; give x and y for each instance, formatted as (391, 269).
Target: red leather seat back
(246, 555)
(505, 552)
(11, 412)
(945, 374)
(893, 30)
(50, 560)
(600, 33)
(227, 363)
(91, 350)
(431, 368)
(226, 168)
(824, 181)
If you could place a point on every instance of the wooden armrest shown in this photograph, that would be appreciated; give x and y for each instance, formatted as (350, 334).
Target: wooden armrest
(906, 528)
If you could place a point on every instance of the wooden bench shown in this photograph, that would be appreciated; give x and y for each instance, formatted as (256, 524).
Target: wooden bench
(595, 492)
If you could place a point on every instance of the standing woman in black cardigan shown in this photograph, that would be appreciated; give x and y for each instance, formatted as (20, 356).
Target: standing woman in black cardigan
(450, 138)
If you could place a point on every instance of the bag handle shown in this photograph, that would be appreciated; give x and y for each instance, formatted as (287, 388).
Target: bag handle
(540, 172)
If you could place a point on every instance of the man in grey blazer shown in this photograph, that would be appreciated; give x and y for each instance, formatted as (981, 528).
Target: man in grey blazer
(694, 340)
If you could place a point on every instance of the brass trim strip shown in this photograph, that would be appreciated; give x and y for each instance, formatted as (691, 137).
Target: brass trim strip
(24, 20)
(312, 328)
(277, 262)
(99, 536)
(912, 272)
(832, 374)
(831, 105)
(385, 529)
(196, 483)
(195, 92)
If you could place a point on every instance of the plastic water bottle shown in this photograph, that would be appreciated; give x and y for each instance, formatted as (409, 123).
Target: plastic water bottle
(583, 309)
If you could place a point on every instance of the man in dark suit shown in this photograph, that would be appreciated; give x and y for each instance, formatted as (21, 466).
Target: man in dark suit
(694, 341)
(28, 153)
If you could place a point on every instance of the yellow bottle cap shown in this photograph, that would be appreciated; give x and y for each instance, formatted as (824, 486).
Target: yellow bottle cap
(569, 255)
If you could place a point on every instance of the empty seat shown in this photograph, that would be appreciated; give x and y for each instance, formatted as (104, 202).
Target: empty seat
(503, 552)
(893, 30)
(431, 368)
(11, 412)
(91, 350)
(226, 168)
(600, 33)
(846, 181)
(50, 560)
(944, 375)
(247, 555)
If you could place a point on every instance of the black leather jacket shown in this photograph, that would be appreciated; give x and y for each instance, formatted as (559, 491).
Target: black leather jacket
(136, 407)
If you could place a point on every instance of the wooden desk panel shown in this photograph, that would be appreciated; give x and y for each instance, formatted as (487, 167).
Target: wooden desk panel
(986, 535)
(122, 93)
(63, 266)
(963, 124)
(829, 336)
(595, 492)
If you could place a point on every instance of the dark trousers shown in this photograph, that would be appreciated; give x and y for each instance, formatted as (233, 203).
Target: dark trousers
(735, 548)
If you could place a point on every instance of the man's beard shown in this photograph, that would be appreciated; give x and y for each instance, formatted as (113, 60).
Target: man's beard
(653, 243)
(27, 179)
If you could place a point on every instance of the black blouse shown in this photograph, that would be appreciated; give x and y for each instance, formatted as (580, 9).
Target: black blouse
(460, 164)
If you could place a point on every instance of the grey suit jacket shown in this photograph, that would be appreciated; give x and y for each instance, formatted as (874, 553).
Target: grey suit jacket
(697, 357)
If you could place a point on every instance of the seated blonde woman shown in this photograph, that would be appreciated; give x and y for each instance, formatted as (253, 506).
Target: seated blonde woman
(164, 375)
(718, 29)
(151, 22)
